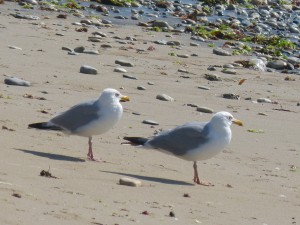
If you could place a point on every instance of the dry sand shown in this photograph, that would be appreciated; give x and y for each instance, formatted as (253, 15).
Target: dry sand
(255, 178)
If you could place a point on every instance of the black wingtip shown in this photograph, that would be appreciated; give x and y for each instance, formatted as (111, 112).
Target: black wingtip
(136, 140)
(43, 126)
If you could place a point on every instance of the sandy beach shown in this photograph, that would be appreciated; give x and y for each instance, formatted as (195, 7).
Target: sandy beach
(256, 179)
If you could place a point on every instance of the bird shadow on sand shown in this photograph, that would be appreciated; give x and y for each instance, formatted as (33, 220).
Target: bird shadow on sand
(152, 179)
(52, 156)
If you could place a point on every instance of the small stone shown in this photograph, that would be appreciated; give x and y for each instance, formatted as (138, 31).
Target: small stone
(106, 46)
(164, 97)
(88, 70)
(160, 42)
(205, 109)
(229, 71)
(204, 88)
(17, 195)
(141, 88)
(183, 56)
(228, 66)
(130, 182)
(92, 52)
(264, 100)
(186, 195)
(150, 83)
(79, 49)
(212, 77)
(172, 214)
(211, 68)
(123, 63)
(14, 47)
(129, 77)
(194, 44)
(183, 71)
(95, 39)
(16, 81)
(222, 52)
(120, 70)
(174, 43)
(262, 114)
(231, 96)
(67, 49)
(192, 105)
(161, 24)
(97, 33)
(150, 122)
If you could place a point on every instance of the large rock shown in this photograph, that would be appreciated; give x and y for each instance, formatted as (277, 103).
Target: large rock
(277, 64)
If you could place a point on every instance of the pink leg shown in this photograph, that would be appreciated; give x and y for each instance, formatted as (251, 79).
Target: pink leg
(196, 177)
(90, 152)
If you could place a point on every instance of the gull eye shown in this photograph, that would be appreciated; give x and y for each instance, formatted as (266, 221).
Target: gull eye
(230, 118)
(117, 94)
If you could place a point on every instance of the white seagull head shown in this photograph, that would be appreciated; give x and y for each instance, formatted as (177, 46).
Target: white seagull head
(224, 119)
(109, 96)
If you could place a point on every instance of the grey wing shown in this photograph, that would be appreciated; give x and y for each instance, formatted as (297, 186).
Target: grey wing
(181, 139)
(77, 116)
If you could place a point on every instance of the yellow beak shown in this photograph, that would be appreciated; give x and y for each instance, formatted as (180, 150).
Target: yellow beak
(124, 99)
(237, 122)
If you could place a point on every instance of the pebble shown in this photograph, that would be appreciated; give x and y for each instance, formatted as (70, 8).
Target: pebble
(98, 33)
(124, 63)
(14, 47)
(164, 97)
(120, 70)
(132, 182)
(228, 66)
(204, 88)
(92, 52)
(161, 24)
(88, 70)
(16, 81)
(32, 2)
(205, 109)
(174, 43)
(231, 96)
(222, 52)
(27, 17)
(229, 71)
(95, 39)
(79, 49)
(160, 42)
(264, 100)
(194, 44)
(150, 83)
(183, 56)
(67, 49)
(106, 46)
(150, 122)
(212, 77)
(183, 71)
(142, 88)
(277, 64)
(129, 77)
(192, 105)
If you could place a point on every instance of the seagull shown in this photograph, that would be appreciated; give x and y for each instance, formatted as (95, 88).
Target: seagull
(192, 141)
(88, 118)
